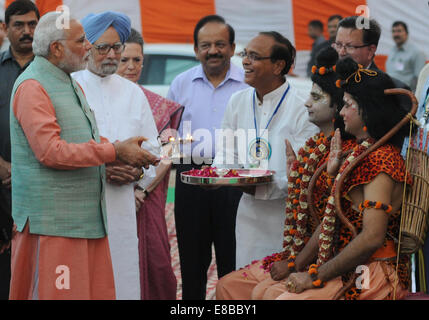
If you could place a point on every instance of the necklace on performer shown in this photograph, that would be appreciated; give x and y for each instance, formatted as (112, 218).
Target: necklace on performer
(260, 149)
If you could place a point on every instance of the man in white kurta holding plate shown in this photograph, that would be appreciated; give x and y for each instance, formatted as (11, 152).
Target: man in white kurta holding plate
(262, 117)
(121, 111)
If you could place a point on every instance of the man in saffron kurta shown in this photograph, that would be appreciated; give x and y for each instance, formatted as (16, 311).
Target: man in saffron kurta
(121, 111)
(60, 250)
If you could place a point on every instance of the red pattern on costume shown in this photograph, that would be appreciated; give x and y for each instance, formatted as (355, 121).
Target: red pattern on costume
(385, 159)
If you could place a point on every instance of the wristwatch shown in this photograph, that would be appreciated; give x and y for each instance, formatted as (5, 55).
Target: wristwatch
(146, 193)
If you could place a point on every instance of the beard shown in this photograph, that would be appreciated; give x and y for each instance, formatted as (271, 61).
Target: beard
(72, 62)
(109, 68)
(106, 68)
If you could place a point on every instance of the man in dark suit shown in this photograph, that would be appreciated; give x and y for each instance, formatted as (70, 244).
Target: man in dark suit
(358, 40)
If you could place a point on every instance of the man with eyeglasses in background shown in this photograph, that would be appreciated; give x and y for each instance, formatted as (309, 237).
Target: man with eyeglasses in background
(205, 217)
(21, 18)
(121, 111)
(360, 43)
(270, 111)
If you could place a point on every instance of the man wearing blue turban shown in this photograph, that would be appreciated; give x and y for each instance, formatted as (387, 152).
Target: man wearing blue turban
(121, 110)
(96, 24)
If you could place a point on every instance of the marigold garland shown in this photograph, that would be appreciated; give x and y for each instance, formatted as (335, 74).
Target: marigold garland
(375, 204)
(297, 212)
(313, 272)
(327, 230)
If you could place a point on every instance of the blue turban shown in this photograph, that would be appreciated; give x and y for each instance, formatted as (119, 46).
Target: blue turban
(96, 24)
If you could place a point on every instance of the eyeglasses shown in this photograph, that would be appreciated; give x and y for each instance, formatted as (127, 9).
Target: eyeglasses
(251, 56)
(104, 48)
(349, 48)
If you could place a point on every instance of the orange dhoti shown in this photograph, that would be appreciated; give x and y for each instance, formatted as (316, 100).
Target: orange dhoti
(58, 268)
(239, 285)
(254, 283)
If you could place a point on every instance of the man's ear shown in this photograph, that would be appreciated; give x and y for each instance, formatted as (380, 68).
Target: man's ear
(233, 48)
(279, 65)
(56, 49)
(372, 49)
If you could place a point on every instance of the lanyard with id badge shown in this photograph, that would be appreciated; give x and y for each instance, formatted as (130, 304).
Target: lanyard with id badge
(260, 148)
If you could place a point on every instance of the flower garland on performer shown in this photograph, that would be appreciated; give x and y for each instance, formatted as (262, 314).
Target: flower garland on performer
(297, 212)
(327, 229)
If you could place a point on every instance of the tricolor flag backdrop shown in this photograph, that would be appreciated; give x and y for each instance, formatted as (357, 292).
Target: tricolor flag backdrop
(172, 21)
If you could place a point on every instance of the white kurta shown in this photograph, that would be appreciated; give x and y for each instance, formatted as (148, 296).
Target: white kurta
(260, 218)
(121, 111)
